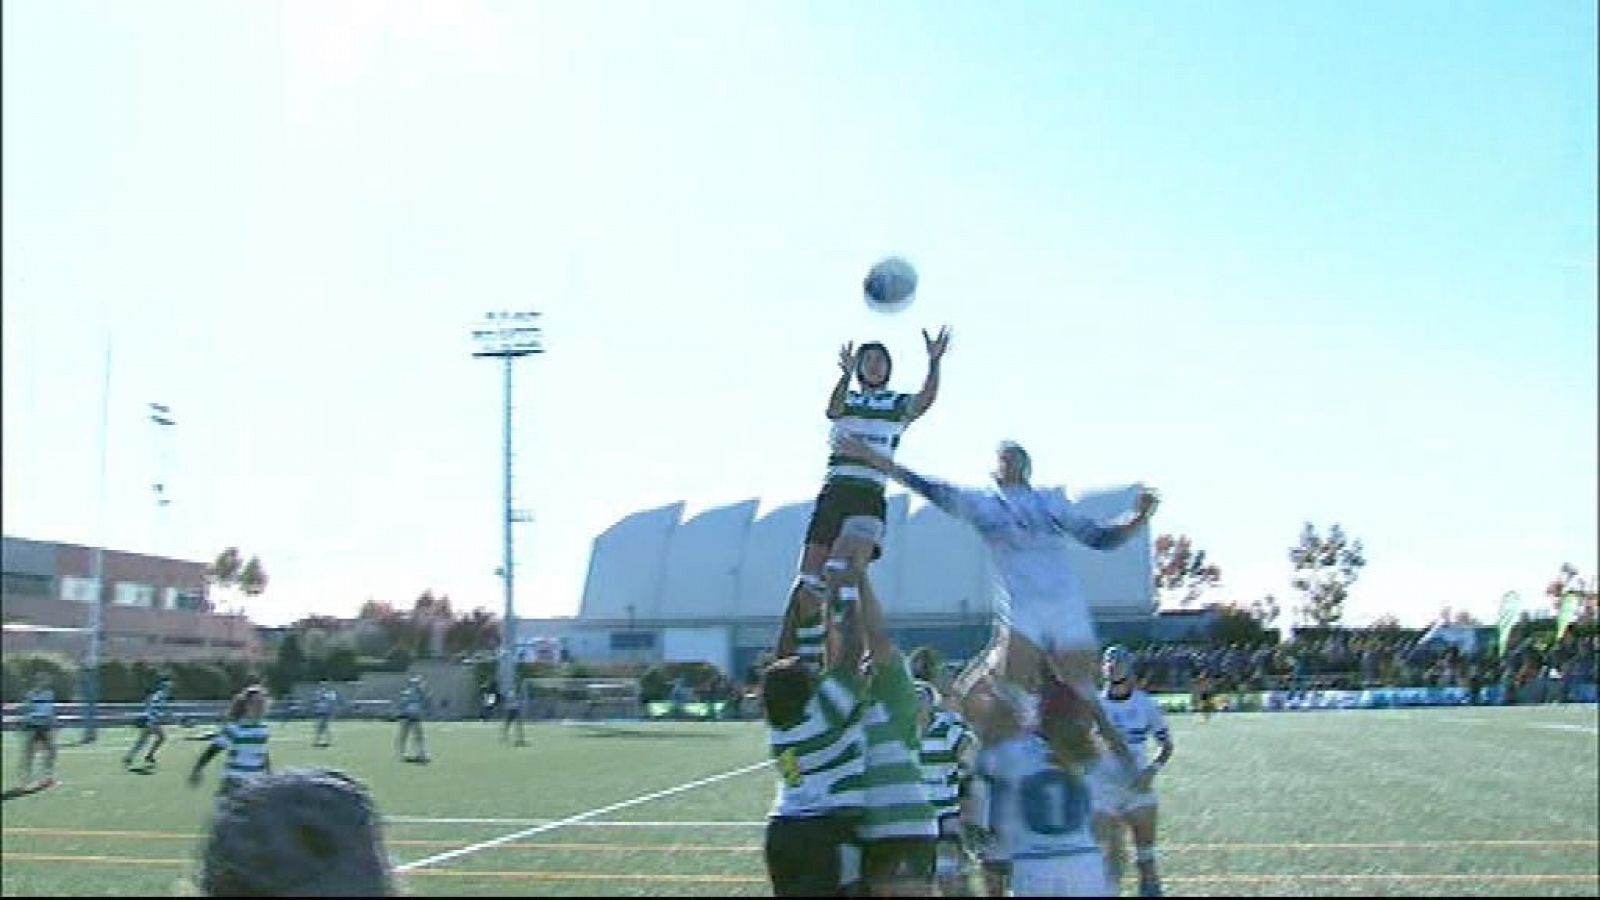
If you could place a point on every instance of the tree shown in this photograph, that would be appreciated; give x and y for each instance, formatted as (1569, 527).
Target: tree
(253, 578)
(474, 632)
(290, 666)
(224, 570)
(1181, 570)
(1324, 570)
(1239, 625)
(1567, 581)
(1386, 622)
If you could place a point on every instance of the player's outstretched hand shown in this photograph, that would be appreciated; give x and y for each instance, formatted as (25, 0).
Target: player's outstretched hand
(937, 345)
(849, 445)
(847, 358)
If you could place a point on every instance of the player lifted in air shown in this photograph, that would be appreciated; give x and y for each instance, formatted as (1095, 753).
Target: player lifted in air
(243, 737)
(323, 704)
(412, 703)
(1035, 796)
(39, 733)
(1043, 622)
(847, 522)
(151, 722)
(946, 754)
(1121, 802)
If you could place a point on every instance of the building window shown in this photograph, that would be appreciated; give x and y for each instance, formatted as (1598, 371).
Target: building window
(633, 640)
(78, 590)
(21, 584)
(193, 601)
(131, 593)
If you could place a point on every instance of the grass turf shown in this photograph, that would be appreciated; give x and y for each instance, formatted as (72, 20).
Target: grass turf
(1440, 802)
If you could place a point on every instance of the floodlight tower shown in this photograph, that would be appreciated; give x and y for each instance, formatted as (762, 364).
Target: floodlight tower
(508, 336)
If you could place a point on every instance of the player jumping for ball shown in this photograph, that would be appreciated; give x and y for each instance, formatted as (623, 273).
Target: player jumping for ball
(1043, 624)
(847, 522)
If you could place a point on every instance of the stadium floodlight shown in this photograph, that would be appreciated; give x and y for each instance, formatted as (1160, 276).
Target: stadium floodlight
(508, 336)
(97, 573)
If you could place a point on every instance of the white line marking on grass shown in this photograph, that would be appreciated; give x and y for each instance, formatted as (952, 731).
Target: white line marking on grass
(1563, 726)
(428, 820)
(580, 817)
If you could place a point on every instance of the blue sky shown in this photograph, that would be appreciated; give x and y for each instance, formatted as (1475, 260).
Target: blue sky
(1286, 262)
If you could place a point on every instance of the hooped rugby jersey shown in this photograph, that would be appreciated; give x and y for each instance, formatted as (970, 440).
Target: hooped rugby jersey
(877, 418)
(821, 761)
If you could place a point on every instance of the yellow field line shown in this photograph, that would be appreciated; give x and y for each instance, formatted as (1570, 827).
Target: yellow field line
(751, 879)
(424, 842)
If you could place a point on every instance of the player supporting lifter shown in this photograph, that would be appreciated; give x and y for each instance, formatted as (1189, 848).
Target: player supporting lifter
(1032, 794)
(847, 522)
(1042, 617)
(1120, 802)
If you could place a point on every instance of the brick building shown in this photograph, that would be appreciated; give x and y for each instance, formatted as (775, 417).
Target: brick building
(153, 608)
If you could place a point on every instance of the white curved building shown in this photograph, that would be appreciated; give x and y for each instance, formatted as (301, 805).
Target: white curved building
(713, 587)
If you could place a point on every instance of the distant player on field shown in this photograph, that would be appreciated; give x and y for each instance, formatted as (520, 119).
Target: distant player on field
(847, 522)
(151, 722)
(1043, 622)
(243, 737)
(411, 705)
(1119, 802)
(39, 732)
(1037, 796)
(323, 704)
(516, 706)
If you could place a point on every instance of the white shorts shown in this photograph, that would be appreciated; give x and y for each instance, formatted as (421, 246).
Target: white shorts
(1081, 875)
(1111, 788)
(1059, 624)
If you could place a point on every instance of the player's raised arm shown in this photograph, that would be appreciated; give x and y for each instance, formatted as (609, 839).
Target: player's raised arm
(847, 368)
(923, 401)
(1111, 533)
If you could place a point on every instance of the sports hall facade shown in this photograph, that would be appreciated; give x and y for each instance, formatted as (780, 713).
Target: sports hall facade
(712, 587)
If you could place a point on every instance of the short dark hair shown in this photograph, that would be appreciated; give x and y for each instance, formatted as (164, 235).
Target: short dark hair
(786, 687)
(302, 832)
(861, 360)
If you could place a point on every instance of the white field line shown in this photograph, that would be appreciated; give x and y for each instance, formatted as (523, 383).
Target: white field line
(428, 820)
(580, 817)
(1563, 726)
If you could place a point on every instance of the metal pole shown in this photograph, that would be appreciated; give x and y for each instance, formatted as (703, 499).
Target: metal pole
(97, 567)
(508, 632)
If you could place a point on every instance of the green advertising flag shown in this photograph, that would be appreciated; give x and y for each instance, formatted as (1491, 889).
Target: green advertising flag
(1569, 611)
(1510, 605)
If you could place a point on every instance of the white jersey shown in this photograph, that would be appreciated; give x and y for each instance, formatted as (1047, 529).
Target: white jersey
(1025, 529)
(1036, 809)
(1137, 718)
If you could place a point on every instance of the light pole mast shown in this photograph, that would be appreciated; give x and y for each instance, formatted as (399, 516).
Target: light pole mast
(508, 337)
(97, 573)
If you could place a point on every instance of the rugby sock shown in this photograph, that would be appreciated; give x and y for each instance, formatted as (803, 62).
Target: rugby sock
(1149, 882)
(848, 595)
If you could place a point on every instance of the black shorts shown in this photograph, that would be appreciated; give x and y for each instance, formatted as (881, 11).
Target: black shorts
(898, 859)
(37, 732)
(803, 854)
(838, 501)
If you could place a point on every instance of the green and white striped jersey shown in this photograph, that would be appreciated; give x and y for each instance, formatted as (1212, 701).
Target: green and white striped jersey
(810, 638)
(821, 761)
(42, 708)
(246, 743)
(897, 803)
(942, 773)
(877, 418)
